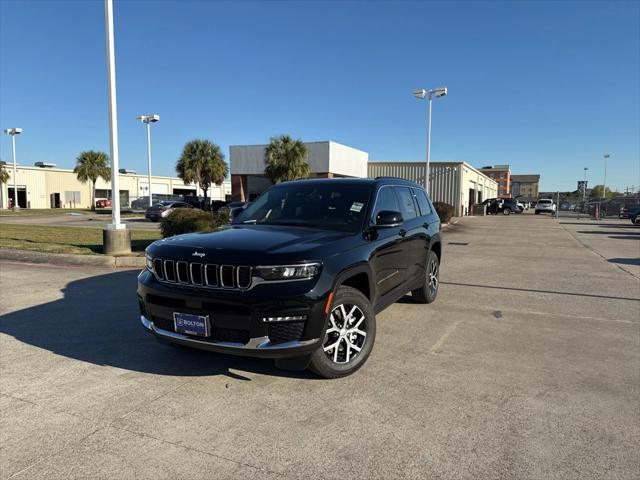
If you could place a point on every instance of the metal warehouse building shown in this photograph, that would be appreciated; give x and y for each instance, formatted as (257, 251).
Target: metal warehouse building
(50, 187)
(456, 183)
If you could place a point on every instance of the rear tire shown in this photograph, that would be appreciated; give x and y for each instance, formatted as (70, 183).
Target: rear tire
(429, 290)
(506, 211)
(349, 335)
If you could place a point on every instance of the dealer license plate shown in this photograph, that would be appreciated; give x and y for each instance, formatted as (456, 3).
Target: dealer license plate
(190, 324)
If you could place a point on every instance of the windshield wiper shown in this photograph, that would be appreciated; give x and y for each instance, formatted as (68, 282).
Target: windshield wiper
(253, 220)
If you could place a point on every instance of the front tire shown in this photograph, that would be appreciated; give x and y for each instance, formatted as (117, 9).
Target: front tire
(349, 336)
(506, 211)
(429, 290)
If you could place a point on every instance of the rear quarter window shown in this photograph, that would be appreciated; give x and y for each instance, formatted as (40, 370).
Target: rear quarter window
(423, 202)
(407, 205)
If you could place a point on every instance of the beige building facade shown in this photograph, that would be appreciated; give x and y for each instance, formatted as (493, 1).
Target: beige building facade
(526, 186)
(456, 183)
(40, 187)
(326, 160)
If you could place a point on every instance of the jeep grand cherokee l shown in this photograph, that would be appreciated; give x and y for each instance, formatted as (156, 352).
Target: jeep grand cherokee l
(299, 274)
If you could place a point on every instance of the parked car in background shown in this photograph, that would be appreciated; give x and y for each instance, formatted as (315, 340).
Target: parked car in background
(507, 206)
(545, 205)
(194, 201)
(142, 203)
(627, 206)
(229, 207)
(162, 209)
(634, 214)
(103, 203)
(491, 205)
(216, 205)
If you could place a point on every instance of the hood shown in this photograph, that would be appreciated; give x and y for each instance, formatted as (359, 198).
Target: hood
(254, 245)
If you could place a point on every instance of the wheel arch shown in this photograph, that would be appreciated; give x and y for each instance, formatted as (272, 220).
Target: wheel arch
(358, 277)
(435, 245)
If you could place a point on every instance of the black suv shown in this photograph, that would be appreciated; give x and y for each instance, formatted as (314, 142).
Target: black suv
(299, 275)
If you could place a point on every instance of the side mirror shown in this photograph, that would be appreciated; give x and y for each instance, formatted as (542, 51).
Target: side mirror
(387, 218)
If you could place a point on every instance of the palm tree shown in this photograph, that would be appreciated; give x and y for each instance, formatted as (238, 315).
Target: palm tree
(202, 162)
(285, 159)
(4, 174)
(90, 166)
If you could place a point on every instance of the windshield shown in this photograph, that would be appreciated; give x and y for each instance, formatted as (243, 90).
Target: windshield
(333, 206)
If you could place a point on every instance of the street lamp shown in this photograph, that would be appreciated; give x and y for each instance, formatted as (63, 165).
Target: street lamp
(584, 186)
(149, 119)
(421, 94)
(604, 184)
(13, 132)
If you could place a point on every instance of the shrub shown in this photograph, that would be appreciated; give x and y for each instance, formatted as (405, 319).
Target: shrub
(444, 211)
(187, 220)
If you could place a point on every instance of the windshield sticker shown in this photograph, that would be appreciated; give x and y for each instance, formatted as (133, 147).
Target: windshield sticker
(356, 207)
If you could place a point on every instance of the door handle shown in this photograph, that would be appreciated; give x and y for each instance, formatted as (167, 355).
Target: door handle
(402, 232)
(426, 225)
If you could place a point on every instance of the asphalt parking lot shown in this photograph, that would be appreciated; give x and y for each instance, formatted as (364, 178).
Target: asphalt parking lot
(526, 367)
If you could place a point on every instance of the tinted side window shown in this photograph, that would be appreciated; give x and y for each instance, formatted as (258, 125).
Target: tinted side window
(407, 207)
(423, 203)
(386, 201)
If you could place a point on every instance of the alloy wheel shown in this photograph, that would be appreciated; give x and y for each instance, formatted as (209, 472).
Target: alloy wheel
(432, 277)
(346, 334)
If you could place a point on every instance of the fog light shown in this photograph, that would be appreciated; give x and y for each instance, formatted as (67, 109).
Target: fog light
(288, 318)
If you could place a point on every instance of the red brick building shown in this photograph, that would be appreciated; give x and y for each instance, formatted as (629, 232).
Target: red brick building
(502, 175)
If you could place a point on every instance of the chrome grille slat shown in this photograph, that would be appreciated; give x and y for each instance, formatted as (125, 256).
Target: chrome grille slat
(198, 268)
(182, 272)
(203, 275)
(170, 271)
(158, 268)
(227, 271)
(211, 275)
(243, 276)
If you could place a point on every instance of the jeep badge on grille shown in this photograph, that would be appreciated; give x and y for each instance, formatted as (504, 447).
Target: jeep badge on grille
(198, 254)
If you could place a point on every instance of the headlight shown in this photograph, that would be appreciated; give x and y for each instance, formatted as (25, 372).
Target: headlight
(149, 262)
(287, 272)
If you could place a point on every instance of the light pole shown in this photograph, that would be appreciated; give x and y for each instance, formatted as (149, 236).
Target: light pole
(149, 119)
(116, 238)
(604, 184)
(421, 94)
(13, 132)
(584, 186)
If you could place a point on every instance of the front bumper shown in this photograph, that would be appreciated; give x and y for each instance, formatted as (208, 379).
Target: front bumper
(237, 318)
(256, 347)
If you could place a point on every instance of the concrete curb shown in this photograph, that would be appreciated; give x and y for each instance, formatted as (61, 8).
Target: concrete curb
(68, 259)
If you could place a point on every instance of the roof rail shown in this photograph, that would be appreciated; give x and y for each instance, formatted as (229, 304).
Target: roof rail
(380, 177)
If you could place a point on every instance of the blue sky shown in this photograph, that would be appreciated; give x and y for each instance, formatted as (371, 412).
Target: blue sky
(547, 87)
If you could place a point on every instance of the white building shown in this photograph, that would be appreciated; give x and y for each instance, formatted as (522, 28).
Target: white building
(456, 183)
(51, 187)
(326, 160)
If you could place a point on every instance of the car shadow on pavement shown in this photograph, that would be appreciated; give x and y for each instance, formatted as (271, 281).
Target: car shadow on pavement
(596, 232)
(625, 261)
(98, 321)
